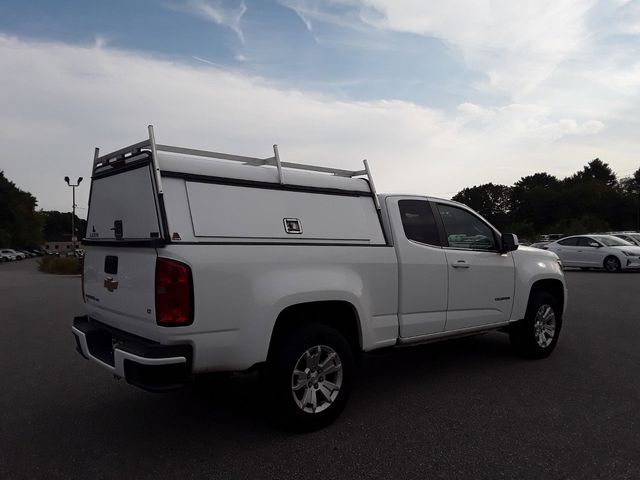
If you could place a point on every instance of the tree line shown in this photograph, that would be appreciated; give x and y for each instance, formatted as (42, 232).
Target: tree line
(21, 225)
(591, 200)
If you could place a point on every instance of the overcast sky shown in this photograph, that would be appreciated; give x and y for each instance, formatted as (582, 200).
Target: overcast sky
(437, 94)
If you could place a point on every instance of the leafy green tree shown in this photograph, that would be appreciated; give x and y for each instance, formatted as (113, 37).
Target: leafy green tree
(19, 224)
(591, 200)
(535, 200)
(631, 189)
(523, 230)
(596, 193)
(57, 226)
(491, 201)
(598, 171)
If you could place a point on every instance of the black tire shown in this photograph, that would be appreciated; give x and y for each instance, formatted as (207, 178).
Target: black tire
(611, 264)
(585, 269)
(527, 335)
(290, 352)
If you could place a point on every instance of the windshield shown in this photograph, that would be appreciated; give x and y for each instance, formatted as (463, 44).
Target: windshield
(611, 241)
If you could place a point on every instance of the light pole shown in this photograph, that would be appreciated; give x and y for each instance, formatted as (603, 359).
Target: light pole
(73, 215)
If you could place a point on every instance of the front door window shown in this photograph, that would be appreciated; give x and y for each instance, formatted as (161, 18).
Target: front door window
(466, 231)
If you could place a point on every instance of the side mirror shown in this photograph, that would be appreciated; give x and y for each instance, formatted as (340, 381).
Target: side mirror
(594, 244)
(509, 242)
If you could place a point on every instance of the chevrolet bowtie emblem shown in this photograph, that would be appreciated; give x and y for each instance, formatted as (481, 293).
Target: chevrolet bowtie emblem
(110, 284)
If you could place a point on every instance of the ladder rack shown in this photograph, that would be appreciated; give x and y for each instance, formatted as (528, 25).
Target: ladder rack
(137, 150)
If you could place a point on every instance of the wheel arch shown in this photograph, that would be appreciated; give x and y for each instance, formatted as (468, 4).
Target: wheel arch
(553, 286)
(340, 315)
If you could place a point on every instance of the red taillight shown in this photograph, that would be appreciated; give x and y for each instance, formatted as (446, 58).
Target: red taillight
(174, 305)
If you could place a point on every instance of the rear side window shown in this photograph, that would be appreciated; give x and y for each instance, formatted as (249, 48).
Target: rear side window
(569, 242)
(585, 242)
(465, 230)
(418, 221)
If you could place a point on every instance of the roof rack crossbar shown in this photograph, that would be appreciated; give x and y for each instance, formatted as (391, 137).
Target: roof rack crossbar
(204, 153)
(104, 160)
(149, 143)
(314, 168)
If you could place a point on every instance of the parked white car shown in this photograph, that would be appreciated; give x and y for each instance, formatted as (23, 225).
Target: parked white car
(11, 254)
(6, 257)
(20, 254)
(200, 262)
(596, 251)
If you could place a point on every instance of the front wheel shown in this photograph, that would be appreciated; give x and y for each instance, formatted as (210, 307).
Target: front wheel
(611, 264)
(536, 336)
(311, 376)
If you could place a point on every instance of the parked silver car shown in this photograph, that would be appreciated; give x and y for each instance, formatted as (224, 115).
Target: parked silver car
(8, 254)
(631, 237)
(19, 254)
(542, 245)
(596, 251)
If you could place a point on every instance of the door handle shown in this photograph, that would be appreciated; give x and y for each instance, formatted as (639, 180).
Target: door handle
(460, 264)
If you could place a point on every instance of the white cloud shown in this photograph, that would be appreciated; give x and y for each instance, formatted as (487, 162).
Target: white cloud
(215, 11)
(336, 12)
(59, 101)
(520, 46)
(305, 20)
(522, 122)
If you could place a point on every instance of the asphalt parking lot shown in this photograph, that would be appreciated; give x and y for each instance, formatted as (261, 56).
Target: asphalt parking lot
(461, 409)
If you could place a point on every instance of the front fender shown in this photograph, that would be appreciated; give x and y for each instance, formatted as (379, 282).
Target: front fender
(533, 265)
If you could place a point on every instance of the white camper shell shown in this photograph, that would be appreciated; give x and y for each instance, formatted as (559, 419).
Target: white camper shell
(167, 194)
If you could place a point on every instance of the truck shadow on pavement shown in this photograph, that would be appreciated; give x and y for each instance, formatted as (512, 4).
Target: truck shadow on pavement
(384, 379)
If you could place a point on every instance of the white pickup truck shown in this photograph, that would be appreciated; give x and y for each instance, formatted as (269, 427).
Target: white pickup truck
(199, 262)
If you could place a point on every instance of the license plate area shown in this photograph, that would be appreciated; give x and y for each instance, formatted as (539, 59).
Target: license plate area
(101, 346)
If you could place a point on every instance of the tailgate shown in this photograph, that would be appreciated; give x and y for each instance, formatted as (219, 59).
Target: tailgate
(119, 286)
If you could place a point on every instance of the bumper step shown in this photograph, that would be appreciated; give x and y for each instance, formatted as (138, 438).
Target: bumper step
(141, 362)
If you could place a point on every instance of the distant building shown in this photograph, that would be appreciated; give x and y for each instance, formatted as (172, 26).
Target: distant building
(60, 247)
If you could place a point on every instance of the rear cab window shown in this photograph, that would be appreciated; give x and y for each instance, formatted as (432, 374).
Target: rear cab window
(418, 222)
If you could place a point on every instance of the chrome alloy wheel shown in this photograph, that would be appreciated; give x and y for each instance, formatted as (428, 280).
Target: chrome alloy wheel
(544, 325)
(316, 379)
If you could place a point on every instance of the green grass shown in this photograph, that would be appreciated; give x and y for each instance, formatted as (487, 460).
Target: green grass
(60, 265)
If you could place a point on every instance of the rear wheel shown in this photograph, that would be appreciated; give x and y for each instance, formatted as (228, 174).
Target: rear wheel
(536, 336)
(611, 264)
(310, 377)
